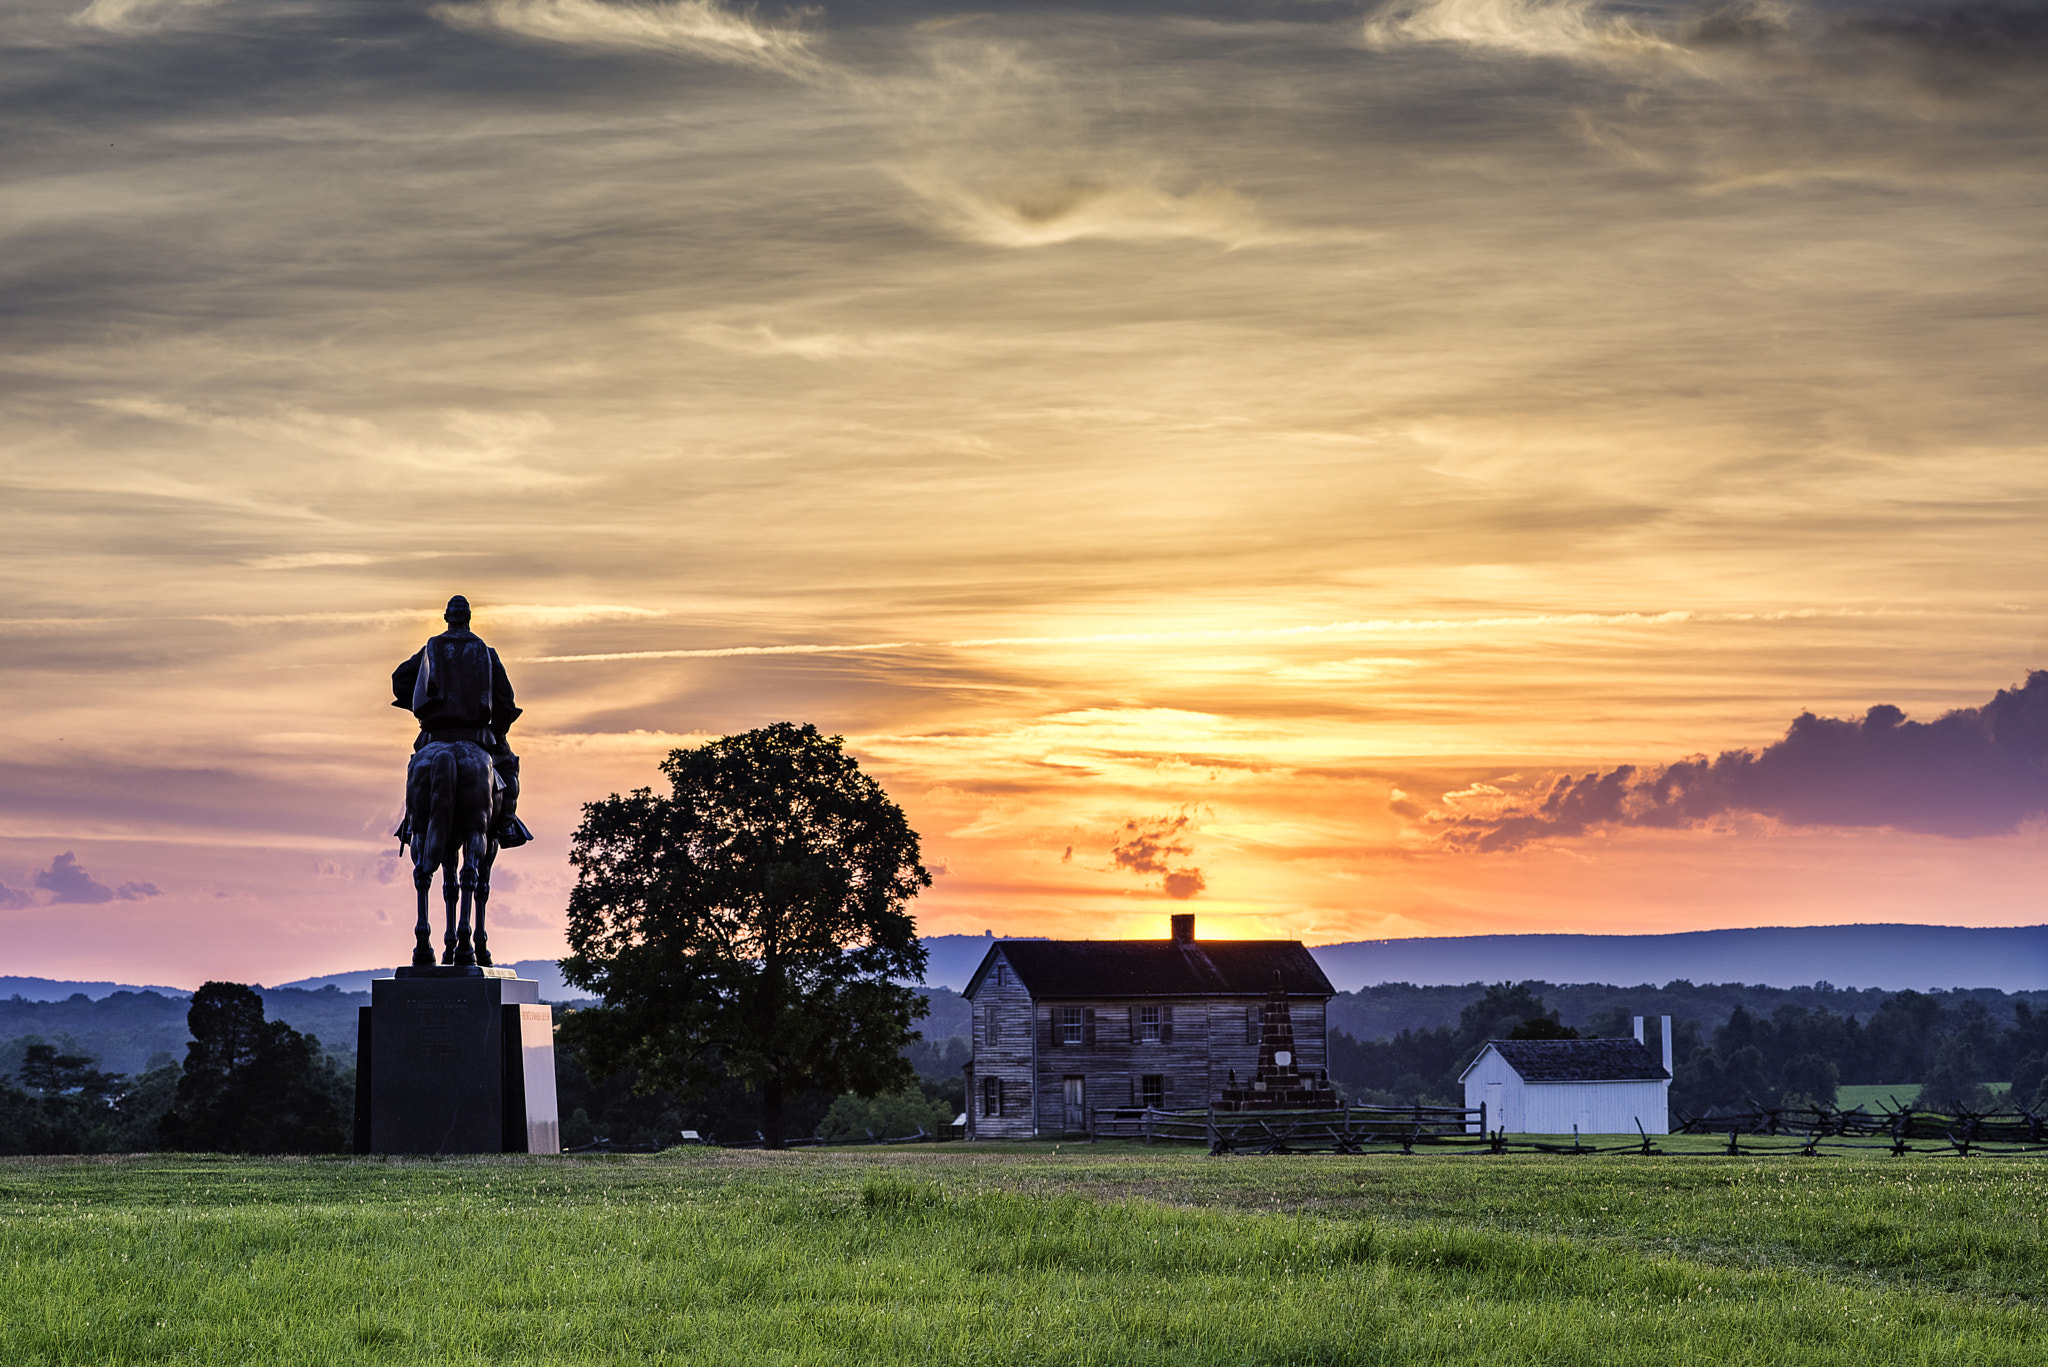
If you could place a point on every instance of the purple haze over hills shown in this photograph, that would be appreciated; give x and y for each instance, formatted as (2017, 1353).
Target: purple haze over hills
(1891, 957)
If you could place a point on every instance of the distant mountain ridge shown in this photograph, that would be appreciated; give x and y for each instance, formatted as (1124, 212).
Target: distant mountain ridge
(58, 989)
(1891, 957)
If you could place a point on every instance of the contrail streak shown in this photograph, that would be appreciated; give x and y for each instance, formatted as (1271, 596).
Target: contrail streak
(1382, 626)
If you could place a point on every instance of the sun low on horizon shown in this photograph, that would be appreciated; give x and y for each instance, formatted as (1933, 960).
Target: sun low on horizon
(1348, 471)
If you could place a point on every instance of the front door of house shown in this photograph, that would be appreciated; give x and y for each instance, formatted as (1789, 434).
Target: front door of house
(1076, 1094)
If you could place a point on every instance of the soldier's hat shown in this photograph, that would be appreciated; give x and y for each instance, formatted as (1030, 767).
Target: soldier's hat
(458, 610)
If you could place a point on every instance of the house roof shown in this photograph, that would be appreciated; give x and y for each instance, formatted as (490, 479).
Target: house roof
(1576, 1060)
(1158, 968)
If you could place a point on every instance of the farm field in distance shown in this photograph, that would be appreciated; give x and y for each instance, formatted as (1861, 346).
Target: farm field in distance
(1894, 1094)
(1025, 1254)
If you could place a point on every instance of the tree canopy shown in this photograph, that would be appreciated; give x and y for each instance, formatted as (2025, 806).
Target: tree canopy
(754, 923)
(251, 1085)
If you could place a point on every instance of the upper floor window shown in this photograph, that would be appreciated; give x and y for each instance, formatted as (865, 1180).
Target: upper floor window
(989, 1032)
(1067, 1024)
(1151, 1024)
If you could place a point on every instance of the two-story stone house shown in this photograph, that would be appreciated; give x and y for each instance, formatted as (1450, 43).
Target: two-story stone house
(1064, 1027)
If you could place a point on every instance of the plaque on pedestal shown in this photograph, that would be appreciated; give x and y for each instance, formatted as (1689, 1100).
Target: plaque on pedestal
(456, 1060)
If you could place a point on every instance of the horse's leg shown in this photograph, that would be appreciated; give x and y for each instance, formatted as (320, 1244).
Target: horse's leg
(484, 851)
(465, 947)
(423, 929)
(450, 890)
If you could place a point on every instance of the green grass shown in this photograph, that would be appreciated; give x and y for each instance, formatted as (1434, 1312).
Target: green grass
(1893, 1094)
(1871, 1093)
(1030, 1254)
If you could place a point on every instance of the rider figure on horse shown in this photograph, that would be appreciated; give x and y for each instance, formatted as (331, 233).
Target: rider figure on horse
(457, 688)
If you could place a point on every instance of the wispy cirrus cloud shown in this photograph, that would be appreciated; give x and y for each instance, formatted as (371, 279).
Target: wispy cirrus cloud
(1045, 212)
(313, 560)
(763, 339)
(701, 29)
(1958, 49)
(1424, 626)
(526, 614)
(1528, 28)
(139, 16)
(493, 445)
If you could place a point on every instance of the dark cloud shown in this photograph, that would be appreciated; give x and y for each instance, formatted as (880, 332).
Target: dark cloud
(13, 898)
(1975, 771)
(1969, 49)
(1149, 846)
(68, 882)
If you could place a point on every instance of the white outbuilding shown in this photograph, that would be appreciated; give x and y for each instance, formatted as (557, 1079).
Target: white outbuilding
(1551, 1086)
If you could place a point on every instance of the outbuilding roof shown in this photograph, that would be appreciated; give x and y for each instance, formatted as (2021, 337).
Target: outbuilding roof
(1577, 1060)
(1157, 968)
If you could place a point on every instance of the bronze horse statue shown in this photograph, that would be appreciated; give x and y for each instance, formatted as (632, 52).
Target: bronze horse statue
(452, 801)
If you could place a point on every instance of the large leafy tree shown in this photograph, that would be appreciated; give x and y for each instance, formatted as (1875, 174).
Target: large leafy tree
(251, 1085)
(753, 924)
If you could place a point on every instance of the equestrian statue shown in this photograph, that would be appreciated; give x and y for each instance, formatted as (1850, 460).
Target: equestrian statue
(462, 785)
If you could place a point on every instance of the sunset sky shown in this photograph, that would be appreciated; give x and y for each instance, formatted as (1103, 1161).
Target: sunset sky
(1228, 457)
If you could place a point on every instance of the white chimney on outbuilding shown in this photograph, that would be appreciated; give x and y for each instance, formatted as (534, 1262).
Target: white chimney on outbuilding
(1667, 1042)
(1639, 1029)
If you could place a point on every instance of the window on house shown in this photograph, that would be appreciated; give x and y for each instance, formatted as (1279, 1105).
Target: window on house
(992, 1096)
(988, 1026)
(1067, 1024)
(1251, 1025)
(1148, 1025)
(1152, 1090)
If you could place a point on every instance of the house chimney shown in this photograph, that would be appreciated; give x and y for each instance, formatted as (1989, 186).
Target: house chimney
(1639, 1029)
(1184, 928)
(1667, 1042)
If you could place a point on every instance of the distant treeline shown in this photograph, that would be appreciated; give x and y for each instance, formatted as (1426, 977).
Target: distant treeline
(117, 1074)
(1386, 1010)
(246, 1085)
(1735, 1046)
(125, 1031)
(273, 1071)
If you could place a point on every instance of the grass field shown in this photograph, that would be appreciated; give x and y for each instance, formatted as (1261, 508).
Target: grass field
(1081, 1254)
(1893, 1094)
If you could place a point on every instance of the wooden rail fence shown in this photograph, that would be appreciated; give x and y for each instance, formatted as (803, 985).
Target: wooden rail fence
(1345, 1129)
(1961, 1131)
(1364, 1129)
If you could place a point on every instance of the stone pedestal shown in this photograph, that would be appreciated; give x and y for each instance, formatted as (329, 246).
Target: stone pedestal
(456, 1061)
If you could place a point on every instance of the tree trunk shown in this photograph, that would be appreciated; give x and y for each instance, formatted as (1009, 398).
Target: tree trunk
(771, 1111)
